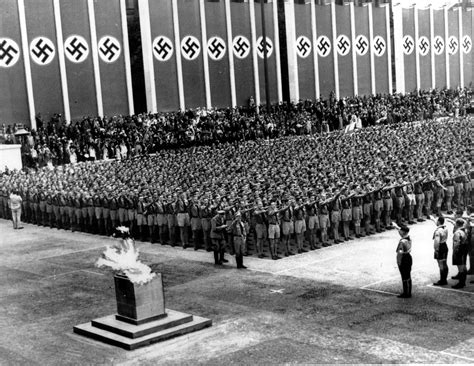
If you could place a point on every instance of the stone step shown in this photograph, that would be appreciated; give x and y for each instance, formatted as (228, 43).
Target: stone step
(111, 324)
(88, 330)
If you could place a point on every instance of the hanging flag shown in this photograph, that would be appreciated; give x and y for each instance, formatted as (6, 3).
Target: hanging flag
(467, 45)
(423, 47)
(217, 54)
(439, 48)
(453, 47)
(13, 93)
(362, 48)
(381, 48)
(343, 47)
(324, 48)
(409, 49)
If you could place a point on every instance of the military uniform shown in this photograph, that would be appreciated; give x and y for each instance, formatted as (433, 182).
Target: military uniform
(404, 262)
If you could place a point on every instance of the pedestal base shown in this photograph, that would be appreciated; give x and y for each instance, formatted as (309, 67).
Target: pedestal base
(130, 336)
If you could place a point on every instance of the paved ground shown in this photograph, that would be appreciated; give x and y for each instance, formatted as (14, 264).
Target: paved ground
(333, 305)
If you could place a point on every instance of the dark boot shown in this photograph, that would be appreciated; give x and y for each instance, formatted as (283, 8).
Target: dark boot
(238, 260)
(241, 258)
(443, 276)
(221, 257)
(409, 288)
(404, 295)
(216, 257)
(462, 281)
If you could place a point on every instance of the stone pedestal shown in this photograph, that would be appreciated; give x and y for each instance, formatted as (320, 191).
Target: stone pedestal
(139, 304)
(141, 317)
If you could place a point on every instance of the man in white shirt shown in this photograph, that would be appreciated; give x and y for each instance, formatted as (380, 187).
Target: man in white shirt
(14, 202)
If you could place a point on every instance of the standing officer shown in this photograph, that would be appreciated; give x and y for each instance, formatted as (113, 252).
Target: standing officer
(240, 235)
(218, 227)
(460, 252)
(300, 225)
(404, 260)
(260, 228)
(205, 213)
(440, 237)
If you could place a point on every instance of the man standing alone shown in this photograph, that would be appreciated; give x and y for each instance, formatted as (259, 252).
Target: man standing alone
(404, 260)
(14, 202)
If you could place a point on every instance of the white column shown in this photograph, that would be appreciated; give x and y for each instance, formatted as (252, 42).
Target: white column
(461, 53)
(293, 80)
(253, 35)
(446, 53)
(354, 55)
(177, 50)
(26, 63)
(205, 59)
(417, 54)
(230, 53)
(95, 58)
(147, 44)
(432, 53)
(315, 54)
(126, 56)
(62, 61)
(334, 51)
(276, 42)
(371, 54)
(389, 48)
(399, 58)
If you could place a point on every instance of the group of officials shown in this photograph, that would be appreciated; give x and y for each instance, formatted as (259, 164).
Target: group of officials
(311, 190)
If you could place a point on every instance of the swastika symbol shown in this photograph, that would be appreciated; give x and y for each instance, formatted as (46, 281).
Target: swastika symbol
(423, 46)
(216, 48)
(343, 45)
(241, 46)
(303, 46)
(42, 50)
(452, 45)
(323, 46)
(408, 44)
(76, 49)
(362, 45)
(438, 45)
(9, 52)
(190, 47)
(162, 48)
(466, 44)
(261, 45)
(109, 49)
(379, 46)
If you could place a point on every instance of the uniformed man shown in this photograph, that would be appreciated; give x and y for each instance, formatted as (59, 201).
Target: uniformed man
(460, 249)
(313, 223)
(205, 212)
(240, 235)
(404, 259)
(300, 224)
(182, 219)
(273, 230)
(440, 237)
(287, 225)
(195, 217)
(218, 227)
(261, 231)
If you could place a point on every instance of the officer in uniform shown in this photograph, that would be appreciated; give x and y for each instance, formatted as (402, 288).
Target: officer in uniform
(404, 260)
(387, 207)
(122, 209)
(449, 184)
(273, 230)
(240, 234)
(313, 223)
(300, 224)
(49, 208)
(346, 215)
(410, 202)
(287, 225)
(195, 215)
(367, 210)
(218, 228)
(324, 222)
(460, 249)
(182, 218)
(440, 237)
(205, 212)
(260, 227)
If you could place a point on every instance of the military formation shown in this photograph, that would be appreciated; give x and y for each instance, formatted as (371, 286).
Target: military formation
(279, 196)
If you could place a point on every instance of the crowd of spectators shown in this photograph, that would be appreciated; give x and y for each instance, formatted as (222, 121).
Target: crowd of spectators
(97, 138)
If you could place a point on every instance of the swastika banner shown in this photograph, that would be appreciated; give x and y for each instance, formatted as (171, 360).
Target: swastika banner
(381, 50)
(452, 47)
(68, 57)
(362, 48)
(242, 52)
(439, 48)
(324, 48)
(45, 72)
(13, 94)
(423, 47)
(467, 46)
(343, 47)
(409, 49)
(304, 51)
